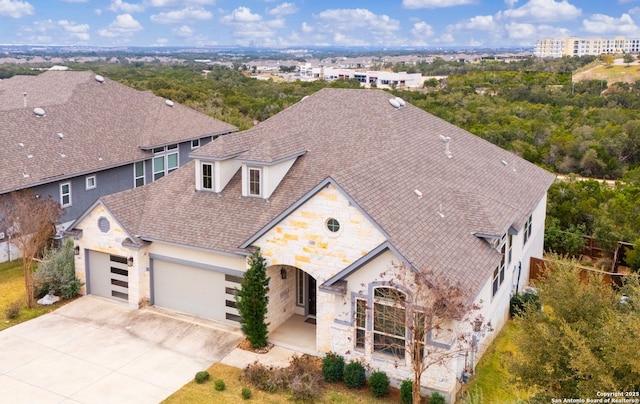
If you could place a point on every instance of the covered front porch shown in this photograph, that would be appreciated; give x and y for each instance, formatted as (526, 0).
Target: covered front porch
(296, 334)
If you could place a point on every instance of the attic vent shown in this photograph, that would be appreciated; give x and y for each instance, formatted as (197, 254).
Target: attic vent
(401, 101)
(394, 102)
(25, 175)
(60, 135)
(169, 103)
(446, 140)
(21, 145)
(38, 111)
(63, 155)
(103, 224)
(99, 78)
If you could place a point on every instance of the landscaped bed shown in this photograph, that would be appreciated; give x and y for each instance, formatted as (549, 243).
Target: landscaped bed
(12, 292)
(207, 393)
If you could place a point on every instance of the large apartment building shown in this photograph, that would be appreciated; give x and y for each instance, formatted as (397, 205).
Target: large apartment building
(559, 47)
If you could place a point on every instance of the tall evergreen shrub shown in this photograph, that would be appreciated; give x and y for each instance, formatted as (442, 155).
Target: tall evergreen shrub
(252, 301)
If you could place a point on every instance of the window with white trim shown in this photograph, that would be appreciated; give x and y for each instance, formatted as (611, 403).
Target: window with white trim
(207, 176)
(389, 322)
(498, 273)
(360, 323)
(166, 160)
(90, 182)
(65, 194)
(195, 143)
(255, 188)
(527, 229)
(138, 174)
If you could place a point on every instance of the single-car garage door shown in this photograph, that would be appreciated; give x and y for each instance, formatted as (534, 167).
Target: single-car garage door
(108, 276)
(192, 290)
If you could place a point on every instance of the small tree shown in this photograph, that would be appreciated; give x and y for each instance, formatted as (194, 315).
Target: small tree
(252, 301)
(628, 58)
(421, 307)
(583, 342)
(31, 222)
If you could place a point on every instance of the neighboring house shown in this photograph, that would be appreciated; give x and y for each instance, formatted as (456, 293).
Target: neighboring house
(333, 190)
(76, 136)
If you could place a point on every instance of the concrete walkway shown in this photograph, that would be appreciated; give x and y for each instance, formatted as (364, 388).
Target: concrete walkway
(97, 351)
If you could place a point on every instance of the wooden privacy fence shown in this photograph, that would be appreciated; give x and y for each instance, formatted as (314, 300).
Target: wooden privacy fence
(538, 266)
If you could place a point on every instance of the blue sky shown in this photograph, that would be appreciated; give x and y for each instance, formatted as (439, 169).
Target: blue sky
(299, 23)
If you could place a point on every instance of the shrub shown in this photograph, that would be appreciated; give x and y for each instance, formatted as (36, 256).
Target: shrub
(202, 376)
(520, 302)
(219, 385)
(379, 383)
(13, 309)
(354, 375)
(406, 392)
(252, 301)
(246, 393)
(332, 367)
(56, 273)
(258, 375)
(437, 398)
(306, 386)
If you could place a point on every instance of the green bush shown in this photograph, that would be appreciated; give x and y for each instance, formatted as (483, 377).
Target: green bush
(437, 398)
(219, 385)
(13, 309)
(202, 376)
(246, 393)
(520, 302)
(332, 367)
(354, 375)
(379, 383)
(406, 392)
(56, 273)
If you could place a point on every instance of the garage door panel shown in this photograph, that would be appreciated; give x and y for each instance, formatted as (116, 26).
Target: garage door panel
(187, 289)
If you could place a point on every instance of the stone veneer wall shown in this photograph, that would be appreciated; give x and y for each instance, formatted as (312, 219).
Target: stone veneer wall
(303, 240)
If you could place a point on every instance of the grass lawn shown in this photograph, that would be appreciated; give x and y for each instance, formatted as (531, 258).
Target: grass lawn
(194, 393)
(611, 74)
(12, 290)
(491, 382)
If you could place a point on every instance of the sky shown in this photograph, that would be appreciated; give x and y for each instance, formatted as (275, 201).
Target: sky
(306, 23)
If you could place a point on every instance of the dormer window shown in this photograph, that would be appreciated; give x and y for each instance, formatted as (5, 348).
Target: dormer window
(207, 176)
(255, 186)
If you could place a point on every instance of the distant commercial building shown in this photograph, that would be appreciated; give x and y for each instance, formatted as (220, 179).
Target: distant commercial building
(559, 47)
(379, 79)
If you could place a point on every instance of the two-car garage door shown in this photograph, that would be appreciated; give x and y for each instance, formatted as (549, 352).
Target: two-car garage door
(188, 289)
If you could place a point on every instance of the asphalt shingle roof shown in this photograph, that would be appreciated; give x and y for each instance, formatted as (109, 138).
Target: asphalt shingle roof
(379, 155)
(103, 125)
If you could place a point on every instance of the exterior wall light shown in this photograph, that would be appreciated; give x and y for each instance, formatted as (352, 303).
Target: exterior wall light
(283, 273)
(76, 250)
(130, 261)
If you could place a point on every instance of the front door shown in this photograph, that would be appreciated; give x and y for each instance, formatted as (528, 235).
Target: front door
(311, 296)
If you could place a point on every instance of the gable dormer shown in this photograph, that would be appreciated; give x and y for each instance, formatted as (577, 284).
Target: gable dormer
(260, 179)
(214, 174)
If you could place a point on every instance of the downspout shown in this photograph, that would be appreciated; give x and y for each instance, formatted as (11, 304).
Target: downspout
(519, 271)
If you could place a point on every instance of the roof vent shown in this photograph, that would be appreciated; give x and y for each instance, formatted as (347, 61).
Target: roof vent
(29, 155)
(99, 78)
(169, 103)
(21, 145)
(60, 135)
(446, 140)
(25, 175)
(394, 102)
(62, 155)
(38, 111)
(401, 101)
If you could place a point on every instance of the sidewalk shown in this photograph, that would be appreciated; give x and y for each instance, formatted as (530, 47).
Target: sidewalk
(277, 357)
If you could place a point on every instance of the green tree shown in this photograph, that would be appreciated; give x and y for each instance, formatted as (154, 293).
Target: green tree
(628, 58)
(252, 301)
(584, 341)
(607, 59)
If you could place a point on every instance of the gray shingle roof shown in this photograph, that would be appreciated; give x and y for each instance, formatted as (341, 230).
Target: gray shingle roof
(103, 125)
(379, 155)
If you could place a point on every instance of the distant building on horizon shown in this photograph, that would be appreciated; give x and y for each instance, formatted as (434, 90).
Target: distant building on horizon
(573, 46)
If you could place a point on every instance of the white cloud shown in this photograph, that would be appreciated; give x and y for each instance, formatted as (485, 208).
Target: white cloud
(358, 19)
(75, 1)
(179, 3)
(124, 25)
(15, 8)
(119, 5)
(241, 15)
(178, 16)
(604, 24)
(510, 3)
(284, 9)
(543, 11)
(78, 31)
(306, 28)
(414, 4)
(183, 31)
(422, 30)
(518, 31)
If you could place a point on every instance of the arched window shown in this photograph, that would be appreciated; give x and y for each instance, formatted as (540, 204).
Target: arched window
(389, 321)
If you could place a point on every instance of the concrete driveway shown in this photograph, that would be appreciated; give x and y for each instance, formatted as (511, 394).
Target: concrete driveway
(97, 351)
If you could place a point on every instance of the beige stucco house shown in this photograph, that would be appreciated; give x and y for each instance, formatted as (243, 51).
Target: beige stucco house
(334, 190)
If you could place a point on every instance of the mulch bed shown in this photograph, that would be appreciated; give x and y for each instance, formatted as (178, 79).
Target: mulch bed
(246, 345)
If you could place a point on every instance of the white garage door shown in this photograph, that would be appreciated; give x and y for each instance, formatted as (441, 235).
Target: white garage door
(108, 276)
(191, 290)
